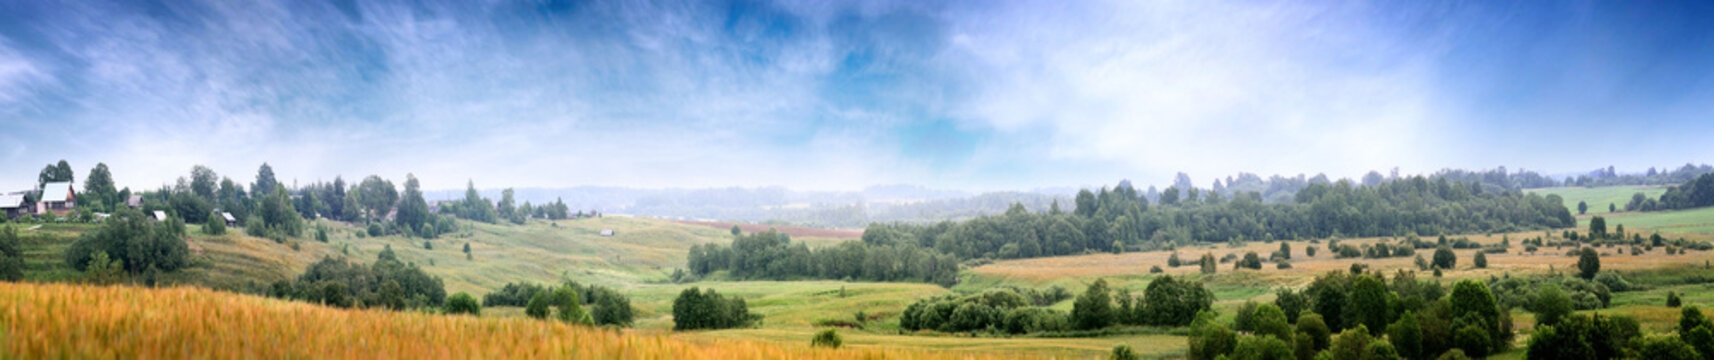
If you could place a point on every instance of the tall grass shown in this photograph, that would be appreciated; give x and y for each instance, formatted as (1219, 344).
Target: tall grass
(59, 321)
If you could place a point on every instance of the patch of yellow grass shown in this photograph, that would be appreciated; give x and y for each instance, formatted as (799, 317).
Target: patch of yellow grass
(49, 321)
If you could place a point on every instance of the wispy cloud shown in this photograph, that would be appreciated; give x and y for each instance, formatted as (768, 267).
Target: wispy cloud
(812, 95)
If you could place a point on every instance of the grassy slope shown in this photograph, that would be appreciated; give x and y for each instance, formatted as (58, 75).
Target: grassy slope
(1599, 197)
(1675, 223)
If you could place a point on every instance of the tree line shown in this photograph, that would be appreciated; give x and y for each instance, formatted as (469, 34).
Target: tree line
(1698, 192)
(1119, 219)
(772, 255)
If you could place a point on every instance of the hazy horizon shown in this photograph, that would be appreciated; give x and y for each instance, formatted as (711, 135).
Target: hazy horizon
(815, 96)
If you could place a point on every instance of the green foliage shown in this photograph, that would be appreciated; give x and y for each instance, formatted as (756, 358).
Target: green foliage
(1270, 321)
(1672, 299)
(771, 255)
(1444, 258)
(539, 306)
(1550, 306)
(366, 285)
(1480, 261)
(1369, 303)
(1312, 325)
(827, 338)
(462, 303)
(1588, 263)
(1690, 318)
(1352, 343)
(216, 225)
(1251, 260)
(103, 270)
(1666, 347)
(134, 240)
(1582, 337)
(11, 254)
(1406, 336)
(1262, 348)
(1093, 309)
(1208, 339)
(1172, 260)
(569, 307)
(695, 309)
(1123, 352)
(1208, 263)
(1482, 327)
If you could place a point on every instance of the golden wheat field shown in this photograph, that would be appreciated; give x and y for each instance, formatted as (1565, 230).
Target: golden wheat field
(59, 321)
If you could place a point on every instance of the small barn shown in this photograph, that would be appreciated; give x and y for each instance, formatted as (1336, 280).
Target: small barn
(606, 232)
(12, 206)
(230, 221)
(57, 198)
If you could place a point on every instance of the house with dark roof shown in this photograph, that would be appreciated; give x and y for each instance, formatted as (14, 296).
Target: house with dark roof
(57, 198)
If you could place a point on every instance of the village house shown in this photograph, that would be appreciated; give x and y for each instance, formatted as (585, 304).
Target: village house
(230, 221)
(136, 201)
(12, 206)
(57, 198)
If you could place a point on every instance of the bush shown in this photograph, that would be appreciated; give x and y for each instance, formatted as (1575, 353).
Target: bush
(374, 230)
(826, 338)
(1588, 263)
(215, 226)
(135, 241)
(1123, 352)
(1672, 299)
(539, 305)
(1481, 260)
(1613, 281)
(462, 303)
(11, 254)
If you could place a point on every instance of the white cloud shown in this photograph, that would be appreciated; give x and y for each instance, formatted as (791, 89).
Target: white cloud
(1205, 87)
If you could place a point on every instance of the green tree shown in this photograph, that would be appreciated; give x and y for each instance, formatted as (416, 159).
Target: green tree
(1406, 336)
(1285, 250)
(736, 231)
(1480, 261)
(1588, 263)
(265, 182)
(1598, 227)
(11, 254)
(1481, 325)
(1672, 299)
(60, 172)
(1369, 303)
(611, 308)
(1582, 208)
(1292, 302)
(539, 306)
(1444, 258)
(1352, 343)
(216, 225)
(1551, 305)
(1666, 347)
(1208, 339)
(1262, 348)
(570, 306)
(1209, 265)
(1270, 321)
(392, 295)
(99, 185)
(462, 303)
(1320, 335)
(1093, 309)
(1690, 318)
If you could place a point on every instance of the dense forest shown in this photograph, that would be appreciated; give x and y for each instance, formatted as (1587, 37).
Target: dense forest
(1119, 219)
(1698, 192)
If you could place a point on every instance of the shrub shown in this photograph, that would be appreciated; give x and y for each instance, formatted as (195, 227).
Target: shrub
(826, 338)
(1588, 263)
(1481, 260)
(1123, 352)
(462, 303)
(539, 305)
(215, 226)
(1672, 299)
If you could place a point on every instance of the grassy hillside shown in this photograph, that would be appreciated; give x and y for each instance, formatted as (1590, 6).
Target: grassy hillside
(1599, 197)
(91, 322)
(1674, 223)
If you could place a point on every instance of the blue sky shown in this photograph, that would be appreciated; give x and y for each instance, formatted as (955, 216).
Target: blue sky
(841, 95)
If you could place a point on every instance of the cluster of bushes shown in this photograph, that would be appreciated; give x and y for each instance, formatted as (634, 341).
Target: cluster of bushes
(1374, 320)
(1167, 301)
(386, 283)
(607, 306)
(1521, 292)
(135, 241)
(695, 309)
(771, 255)
(1561, 335)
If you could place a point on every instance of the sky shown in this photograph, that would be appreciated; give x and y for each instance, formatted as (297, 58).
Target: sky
(973, 95)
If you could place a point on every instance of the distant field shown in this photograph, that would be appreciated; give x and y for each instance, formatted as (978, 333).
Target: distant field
(1599, 197)
(794, 231)
(1697, 221)
(74, 321)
